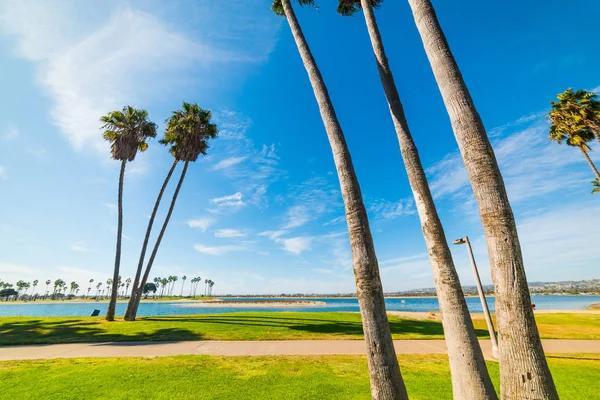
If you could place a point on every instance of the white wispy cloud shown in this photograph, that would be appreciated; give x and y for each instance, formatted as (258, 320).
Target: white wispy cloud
(95, 59)
(11, 132)
(229, 162)
(229, 233)
(218, 250)
(16, 269)
(531, 165)
(256, 166)
(80, 246)
(293, 245)
(273, 234)
(311, 200)
(201, 223)
(233, 200)
(298, 216)
(296, 245)
(390, 210)
(2, 172)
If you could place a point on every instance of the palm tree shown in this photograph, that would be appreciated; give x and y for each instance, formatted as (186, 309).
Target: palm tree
(577, 111)
(471, 379)
(187, 133)
(48, 282)
(35, 283)
(210, 285)
(183, 278)
(596, 184)
(386, 380)
(521, 351)
(575, 119)
(128, 132)
(98, 288)
(74, 287)
(127, 283)
(206, 287)
(163, 284)
(174, 279)
(90, 287)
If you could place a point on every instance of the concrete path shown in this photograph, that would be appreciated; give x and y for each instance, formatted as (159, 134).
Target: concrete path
(255, 348)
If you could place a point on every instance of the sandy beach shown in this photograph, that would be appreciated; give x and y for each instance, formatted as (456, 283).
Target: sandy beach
(253, 304)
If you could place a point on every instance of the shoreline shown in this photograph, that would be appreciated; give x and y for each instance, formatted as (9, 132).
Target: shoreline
(251, 304)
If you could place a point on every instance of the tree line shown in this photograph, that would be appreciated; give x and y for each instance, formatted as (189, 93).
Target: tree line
(57, 289)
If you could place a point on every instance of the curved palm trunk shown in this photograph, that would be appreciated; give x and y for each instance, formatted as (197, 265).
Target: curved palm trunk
(134, 291)
(524, 372)
(110, 313)
(470, 378)
(385, 377)
(590, 162)
(158, 240)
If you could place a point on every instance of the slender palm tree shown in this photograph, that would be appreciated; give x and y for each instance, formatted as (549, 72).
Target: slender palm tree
(48, 282)
(98, 288)
(524, 372)
(386, 380)
(127, 284)
(575, 120)
(89, 287)
(470, 378)
(577, 111)
(133, 301)
(188, 132)
(183, 278)
(210, 286)
(205, 287)
(35, 283)
(128, 131)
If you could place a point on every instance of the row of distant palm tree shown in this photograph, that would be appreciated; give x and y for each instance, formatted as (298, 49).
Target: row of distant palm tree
(524, 371)
(575, 120)
(60, 288)
(187, 133)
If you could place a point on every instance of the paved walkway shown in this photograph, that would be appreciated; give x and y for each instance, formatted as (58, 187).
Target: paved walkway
(255, 348)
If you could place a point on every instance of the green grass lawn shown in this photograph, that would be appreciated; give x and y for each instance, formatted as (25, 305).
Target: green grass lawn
(210, 377)
(255, 326)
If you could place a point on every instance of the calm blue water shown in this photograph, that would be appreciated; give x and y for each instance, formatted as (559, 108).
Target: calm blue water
(67, 309)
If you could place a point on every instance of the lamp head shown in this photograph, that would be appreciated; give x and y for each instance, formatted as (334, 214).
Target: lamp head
(460, 241)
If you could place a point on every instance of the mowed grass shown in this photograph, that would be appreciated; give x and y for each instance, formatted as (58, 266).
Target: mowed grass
(255, 326)
(211, 377)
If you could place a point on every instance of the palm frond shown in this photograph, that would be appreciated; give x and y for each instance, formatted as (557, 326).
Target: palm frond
(349, 7)
(188, 131)
(277, 6)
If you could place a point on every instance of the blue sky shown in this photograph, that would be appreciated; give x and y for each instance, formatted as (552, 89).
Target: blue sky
(262, 213)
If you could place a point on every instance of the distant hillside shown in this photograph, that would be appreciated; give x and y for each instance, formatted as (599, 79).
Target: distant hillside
(587, 287)
(591, 286)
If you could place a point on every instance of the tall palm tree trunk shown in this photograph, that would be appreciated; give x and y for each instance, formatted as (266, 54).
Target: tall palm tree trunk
(158, 240)
(470, 378)
(385, 377)
(110, 313)
(524, 372)
(590, 162)
(138, 273)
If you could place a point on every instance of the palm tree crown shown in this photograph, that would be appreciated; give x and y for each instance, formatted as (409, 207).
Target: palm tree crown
(187, 132)
(277, 6)
(127, 130)
(575, 117)
(349, 7)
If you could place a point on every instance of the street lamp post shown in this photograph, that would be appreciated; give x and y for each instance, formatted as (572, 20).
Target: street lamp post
(484, 305)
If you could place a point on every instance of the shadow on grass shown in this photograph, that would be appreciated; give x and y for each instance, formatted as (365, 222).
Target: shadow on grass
(196, 327)
(81, 331)
(408, 327)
